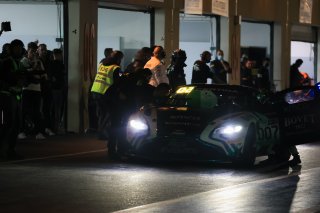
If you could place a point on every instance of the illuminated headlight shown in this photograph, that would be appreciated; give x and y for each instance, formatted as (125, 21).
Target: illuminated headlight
(227, 131)
(138, 125)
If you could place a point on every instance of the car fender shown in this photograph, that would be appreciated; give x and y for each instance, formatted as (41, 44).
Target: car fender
(232, 145)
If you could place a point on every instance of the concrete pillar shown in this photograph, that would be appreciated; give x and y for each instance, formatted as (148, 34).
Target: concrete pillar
(82, 60)
(167, 27)
(224, 37)
(159, 23)
(317, 46)
(277, 56)
(286, 48)
(282, 46)
(234, 28)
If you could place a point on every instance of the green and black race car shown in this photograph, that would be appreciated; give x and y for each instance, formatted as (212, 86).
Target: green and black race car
(225, 123)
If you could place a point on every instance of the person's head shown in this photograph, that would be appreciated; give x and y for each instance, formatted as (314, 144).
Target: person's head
(205, 56)
(116, 57)
(42, 50)
(32, 50)
(243, 60)
(249, 64)
(107, 52)
(299, 62)
(159, 52)
(32, 45)
(219, 55)
(57, 54)
(144, 54)
(31, 53)
(17, 48)
(178, 57)
(6, 48)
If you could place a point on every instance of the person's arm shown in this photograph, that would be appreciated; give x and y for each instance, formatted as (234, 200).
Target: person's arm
(226, 66)
(208, 71)
(116, 75)
(161, 74)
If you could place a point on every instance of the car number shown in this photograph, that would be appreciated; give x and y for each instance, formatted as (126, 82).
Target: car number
(270, 132)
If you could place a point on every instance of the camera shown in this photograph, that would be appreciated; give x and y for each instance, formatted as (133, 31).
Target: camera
(5, 27)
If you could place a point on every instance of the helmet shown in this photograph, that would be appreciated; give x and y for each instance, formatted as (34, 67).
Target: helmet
(178, 54)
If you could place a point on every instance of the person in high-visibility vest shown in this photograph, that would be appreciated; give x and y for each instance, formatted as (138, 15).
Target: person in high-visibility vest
(12, 79)
(109, 72)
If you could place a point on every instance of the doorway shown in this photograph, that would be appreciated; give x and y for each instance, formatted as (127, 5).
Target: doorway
(127, 31)
(306, 52)
(197, 34)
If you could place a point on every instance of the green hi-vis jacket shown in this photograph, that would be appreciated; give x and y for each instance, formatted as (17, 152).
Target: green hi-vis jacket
(104, 78)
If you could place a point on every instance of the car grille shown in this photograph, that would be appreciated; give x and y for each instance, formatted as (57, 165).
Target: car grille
(178, 122)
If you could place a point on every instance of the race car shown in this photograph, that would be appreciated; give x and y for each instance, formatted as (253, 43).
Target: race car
(207, 122)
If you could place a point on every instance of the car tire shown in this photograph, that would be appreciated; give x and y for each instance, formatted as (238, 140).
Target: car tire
(248, 155)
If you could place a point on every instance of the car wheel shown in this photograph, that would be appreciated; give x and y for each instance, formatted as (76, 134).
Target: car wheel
(248, 154)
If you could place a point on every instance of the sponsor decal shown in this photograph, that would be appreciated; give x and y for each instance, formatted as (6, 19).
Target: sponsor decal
(183, 120)
(185, 117)
(184, 90)
(301, 121)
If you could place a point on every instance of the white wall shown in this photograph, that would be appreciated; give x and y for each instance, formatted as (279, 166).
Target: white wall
(255, 35)
(197, 34)
(132, 29)
(193, 51)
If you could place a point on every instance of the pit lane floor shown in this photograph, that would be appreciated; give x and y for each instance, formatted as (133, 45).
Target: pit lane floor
(73, 174)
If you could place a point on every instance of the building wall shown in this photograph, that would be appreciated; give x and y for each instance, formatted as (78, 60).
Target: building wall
(82, 60)
(283, 13)
(263, 10)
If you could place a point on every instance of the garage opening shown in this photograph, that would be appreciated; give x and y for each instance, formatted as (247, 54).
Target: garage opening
(303, 46)
(197, 34)
(124, 30)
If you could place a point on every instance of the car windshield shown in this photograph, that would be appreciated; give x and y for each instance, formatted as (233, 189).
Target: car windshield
(299, 96)
(208, 97)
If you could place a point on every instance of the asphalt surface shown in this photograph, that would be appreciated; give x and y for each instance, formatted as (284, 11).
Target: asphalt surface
(72, 173)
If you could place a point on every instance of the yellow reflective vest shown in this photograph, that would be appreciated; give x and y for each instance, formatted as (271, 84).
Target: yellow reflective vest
(104, 78)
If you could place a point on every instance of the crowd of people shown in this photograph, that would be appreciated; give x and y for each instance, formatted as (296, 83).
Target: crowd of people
(33, 88)
(32, 93)
(252, 73)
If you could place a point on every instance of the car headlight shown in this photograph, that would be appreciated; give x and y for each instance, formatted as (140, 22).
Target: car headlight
(227, 131)
(138, 125)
